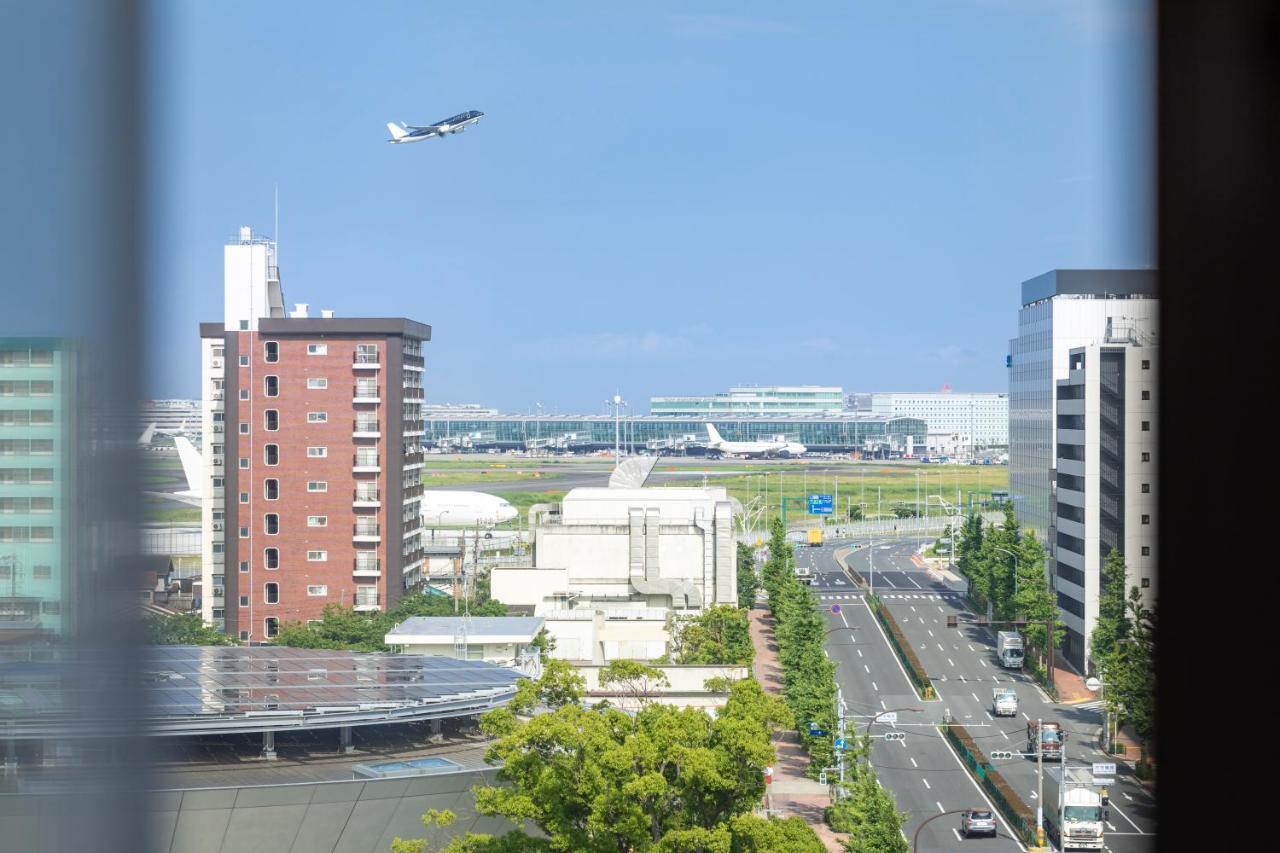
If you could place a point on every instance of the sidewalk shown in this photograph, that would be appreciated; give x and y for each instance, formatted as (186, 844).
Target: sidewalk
(792, 792)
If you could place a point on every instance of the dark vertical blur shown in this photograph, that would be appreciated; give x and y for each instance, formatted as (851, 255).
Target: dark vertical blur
(1219, 178)
(70, 339)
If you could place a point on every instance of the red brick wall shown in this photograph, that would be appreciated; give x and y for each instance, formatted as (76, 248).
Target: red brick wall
(295, 469)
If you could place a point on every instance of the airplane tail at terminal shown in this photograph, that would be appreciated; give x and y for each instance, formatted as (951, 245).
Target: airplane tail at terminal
(192, 463)
(147, 435)
(714, 434)
(397, 132)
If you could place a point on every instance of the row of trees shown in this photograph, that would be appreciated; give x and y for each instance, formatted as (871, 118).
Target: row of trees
(664, 779)
(718, 635)
(1005, 566)
(1123, 648)
(808, 675)
(343, 628)
(866, 810)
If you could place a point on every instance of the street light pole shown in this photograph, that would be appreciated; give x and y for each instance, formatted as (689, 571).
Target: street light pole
(1040, 779)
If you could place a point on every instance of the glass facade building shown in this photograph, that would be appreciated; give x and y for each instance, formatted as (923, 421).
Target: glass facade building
(836, 433)
(37, 408)
(755, 400)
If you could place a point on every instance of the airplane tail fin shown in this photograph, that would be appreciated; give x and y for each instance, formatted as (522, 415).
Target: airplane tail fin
(714, 434)
(397, 132)
(192, 462)
(147, 435)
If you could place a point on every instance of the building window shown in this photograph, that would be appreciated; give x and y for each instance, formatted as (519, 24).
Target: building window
(244, 393)
(317, 349)
(317, 452)
(271, 523)
(42, 573)
(1146, 519)
(317, 589)
(1146, 488)
(271, 454)
(271, 593)
(271, 352)
(244, 567)
(272, 489)
(271, 420)
(271, 558)
(1146, 550)
(244, 327)
(244, 427)
(271, 386)
(218, 482)
(1146, 583)
(272, 624)
(1146, 395)
(244, 463)
(244, 533)
(51, 608)
(317, 521)
(317, 486)
(317, 417)
(317, 556)
(1146, 456)
(317, 383)
(1146, 426)
(244, 497)
(244, 601)
(1146, 364)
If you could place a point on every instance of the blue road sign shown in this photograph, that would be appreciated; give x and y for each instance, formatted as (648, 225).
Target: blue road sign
(835, 608)
(820, 505)
(840, 744)
(814, 731)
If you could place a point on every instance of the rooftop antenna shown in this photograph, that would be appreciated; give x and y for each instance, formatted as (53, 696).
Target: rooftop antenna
(275, 234)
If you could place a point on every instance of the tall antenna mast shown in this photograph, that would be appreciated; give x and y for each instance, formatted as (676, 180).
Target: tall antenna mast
(275, 235)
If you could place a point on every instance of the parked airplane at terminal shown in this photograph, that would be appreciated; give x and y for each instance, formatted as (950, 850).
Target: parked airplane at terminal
(752, 448)
(192, 468)
(465, 509)
(416, 133)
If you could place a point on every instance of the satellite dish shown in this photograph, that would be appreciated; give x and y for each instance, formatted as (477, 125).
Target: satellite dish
(632, 472)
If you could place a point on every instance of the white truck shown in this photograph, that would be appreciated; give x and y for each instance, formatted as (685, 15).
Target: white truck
(1004, 702)
(1009, 649)
(1073, 809)
(806, 576)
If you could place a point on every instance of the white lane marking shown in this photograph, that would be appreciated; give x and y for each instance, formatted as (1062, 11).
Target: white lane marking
(957, 832)
(913, 582)
(962, 678)
(874, 688)
(844, 620)
(1126, 796)
(913, 607)
(913, 763)
(976, 699)
(930, 630)
(940, 610)
(867, 668)
(941, 649)
(859, 652)
(988, 713)
(883, 707)
(1025, 717)
(887, 645)
(980, 660)
(1033, 796)
(974, 782)
(1006, 734)
(939, 805)
(926, 783)
(1126, 817)
(970, 646)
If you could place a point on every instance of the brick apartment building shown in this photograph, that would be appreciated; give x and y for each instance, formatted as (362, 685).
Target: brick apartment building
(312, 454)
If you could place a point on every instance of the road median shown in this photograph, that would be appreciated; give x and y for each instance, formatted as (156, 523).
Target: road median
(916, 674)
(1017, 814)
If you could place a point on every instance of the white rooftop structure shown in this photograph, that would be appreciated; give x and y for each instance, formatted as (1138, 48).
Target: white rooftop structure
(427, 630)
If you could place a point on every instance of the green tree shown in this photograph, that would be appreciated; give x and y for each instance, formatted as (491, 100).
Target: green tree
(1130, 671)
(718, 635)
(872, 819)
(636, 679)
(434, 821)
(1112, 626)
(186, 629)
(855, 512)
(342, 628)
(559, 684)
(748, 581)
(1035, 600)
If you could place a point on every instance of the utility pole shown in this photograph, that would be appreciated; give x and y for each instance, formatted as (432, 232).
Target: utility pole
(1040, 779)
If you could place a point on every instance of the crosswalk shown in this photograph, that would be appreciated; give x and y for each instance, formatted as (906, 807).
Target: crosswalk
(945, 596)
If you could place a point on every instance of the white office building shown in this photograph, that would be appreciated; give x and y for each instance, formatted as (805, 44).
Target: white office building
(755, 400)
(1106, 476)
(983, 418)
(1061, 310)
(610, 565)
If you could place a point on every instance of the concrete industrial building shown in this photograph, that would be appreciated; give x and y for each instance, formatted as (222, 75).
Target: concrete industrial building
(37, 487)
(1061, 310)
(1106, 476)
(754, 400)
(982, 417)
(609, 566)
(312, 453)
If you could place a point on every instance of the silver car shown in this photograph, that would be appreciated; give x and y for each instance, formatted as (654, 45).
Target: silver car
(977, 822)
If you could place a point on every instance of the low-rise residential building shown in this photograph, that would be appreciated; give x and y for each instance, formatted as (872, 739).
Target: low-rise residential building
(504, 640)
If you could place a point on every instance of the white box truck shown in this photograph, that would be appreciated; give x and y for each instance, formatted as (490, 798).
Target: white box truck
(1009, 649)
(1073, 811)
(1004, 702)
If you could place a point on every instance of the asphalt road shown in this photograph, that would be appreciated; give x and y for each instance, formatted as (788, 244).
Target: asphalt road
(962, 663)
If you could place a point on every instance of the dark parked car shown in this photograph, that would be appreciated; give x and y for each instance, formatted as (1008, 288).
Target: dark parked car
(977, 822)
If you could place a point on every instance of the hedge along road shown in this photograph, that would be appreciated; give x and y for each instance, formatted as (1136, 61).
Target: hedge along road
(962, 664)
(925, 776)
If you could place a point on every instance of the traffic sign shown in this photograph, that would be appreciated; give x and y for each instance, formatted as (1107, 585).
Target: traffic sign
(889, 717)
(1103, 768)
(840, 744)
(820, 505)
(814, 731)
(835, 608)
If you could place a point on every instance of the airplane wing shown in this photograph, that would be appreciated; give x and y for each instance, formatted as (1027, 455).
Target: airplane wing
(423, 126)
(177, 497)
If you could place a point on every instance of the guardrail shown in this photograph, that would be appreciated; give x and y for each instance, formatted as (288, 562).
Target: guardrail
(1019, 815)
(898, 640)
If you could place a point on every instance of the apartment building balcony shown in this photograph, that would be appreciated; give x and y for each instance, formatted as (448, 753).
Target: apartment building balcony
(365, 601)
(365, 463)
(366, 568)
(365, 533)
(414, 393)
(366, 498)
(365, 392)
(365, 428)
(366, 361)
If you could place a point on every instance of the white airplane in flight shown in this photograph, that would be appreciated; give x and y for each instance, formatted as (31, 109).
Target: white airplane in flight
(414, 133)
(465, 509)
(192, 468)
(752, 448)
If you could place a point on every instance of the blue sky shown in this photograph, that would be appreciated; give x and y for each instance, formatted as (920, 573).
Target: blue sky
(663, 197)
